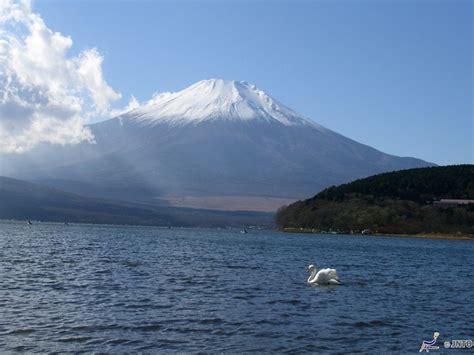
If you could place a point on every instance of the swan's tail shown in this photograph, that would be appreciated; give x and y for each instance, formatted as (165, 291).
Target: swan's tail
(333, 274)
(334, 282)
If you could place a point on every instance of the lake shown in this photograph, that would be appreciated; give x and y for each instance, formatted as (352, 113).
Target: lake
(101, 288)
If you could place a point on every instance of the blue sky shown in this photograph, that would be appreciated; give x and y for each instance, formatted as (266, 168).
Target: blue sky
(396, 75)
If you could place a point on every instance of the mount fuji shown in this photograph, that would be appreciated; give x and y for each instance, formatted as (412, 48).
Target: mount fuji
(216, 144)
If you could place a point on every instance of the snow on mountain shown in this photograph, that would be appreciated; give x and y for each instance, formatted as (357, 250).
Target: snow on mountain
(216, 99)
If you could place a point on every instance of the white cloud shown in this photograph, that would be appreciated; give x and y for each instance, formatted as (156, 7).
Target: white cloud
(132, 104)
(46, 95)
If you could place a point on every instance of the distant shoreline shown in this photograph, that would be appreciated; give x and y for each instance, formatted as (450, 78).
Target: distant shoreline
(402, 235)
(158, 226)
(284, 230)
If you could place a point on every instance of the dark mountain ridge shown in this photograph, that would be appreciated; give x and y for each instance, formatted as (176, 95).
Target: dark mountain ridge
(27, 201)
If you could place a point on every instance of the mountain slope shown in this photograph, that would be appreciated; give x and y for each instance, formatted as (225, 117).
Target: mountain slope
(215, 138)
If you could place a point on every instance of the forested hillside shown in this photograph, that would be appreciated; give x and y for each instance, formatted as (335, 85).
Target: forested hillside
(397, 202)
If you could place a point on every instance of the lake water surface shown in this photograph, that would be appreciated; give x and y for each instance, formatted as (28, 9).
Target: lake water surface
(144, 289)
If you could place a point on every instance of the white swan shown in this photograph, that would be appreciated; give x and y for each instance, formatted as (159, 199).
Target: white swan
(323, 276)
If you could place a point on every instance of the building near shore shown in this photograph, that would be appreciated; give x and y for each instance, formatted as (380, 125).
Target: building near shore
(447, 203)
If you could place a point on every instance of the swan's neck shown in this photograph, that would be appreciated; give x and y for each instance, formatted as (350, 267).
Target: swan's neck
(313, 274)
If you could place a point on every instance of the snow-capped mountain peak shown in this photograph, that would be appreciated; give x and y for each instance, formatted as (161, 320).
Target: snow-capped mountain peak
(215, 99)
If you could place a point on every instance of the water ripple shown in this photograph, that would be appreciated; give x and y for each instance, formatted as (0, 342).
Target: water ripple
(112, 289)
